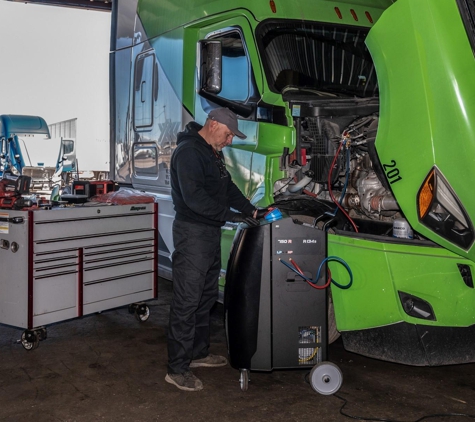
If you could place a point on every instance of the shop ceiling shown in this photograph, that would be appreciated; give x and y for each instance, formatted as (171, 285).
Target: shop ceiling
(104, 5)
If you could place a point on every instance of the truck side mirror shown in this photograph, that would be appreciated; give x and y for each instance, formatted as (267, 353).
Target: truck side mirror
(210, 66)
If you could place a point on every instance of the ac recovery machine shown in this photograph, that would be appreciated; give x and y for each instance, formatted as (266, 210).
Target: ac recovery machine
(274, 318)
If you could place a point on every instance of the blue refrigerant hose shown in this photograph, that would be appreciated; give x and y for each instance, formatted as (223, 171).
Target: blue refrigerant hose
(327, 259)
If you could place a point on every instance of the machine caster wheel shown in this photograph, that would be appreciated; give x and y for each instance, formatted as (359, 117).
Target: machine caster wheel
(244, 379)
(30, 340)
(141, 311)
(326, 378)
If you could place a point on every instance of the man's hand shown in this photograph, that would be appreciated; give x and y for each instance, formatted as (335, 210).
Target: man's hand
(259, 213)
(241, 218)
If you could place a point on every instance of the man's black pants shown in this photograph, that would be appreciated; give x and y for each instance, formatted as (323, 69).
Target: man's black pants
(196, 263)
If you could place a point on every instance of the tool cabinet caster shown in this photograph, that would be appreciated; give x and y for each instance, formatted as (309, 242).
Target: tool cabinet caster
(30, 339)
(326, 378)
(244, 379)
(140, 310)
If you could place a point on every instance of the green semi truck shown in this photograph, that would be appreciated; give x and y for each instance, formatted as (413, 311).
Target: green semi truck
(358, 116)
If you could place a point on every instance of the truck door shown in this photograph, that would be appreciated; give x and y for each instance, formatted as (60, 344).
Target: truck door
(238, 85)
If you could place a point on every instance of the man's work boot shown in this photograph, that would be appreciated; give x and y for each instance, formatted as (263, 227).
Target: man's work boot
(210, 361)
(186, 381)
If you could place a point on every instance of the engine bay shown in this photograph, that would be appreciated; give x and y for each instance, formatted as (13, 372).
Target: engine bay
(334, 175)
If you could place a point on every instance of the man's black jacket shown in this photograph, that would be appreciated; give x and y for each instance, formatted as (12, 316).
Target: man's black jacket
(202, 189)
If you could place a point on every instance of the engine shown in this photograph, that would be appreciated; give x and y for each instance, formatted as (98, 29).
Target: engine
(336, 161)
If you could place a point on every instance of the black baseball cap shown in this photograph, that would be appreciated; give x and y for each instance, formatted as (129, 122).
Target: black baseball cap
(228, 118)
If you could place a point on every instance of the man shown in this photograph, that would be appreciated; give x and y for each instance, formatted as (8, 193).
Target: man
(202, 193)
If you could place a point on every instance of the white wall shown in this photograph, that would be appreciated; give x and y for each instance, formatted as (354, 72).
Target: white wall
(55, 64)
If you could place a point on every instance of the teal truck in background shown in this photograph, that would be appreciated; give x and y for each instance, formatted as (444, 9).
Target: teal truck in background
(14, 186)
(12, 128)
(359, 120)
(28, 149)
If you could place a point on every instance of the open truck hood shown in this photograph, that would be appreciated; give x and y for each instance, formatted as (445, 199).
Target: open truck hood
(426, 67)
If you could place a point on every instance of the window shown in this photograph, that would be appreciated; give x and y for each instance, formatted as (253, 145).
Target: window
(237, 78)
(145, 90)
(68, 146)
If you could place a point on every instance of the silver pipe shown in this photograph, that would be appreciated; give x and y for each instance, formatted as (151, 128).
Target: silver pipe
(300, 184)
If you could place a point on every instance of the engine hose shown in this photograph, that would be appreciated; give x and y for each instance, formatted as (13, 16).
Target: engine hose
(296, 269)
(299, 185)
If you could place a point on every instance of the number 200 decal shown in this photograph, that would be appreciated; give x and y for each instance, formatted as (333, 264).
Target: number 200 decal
(392, 172)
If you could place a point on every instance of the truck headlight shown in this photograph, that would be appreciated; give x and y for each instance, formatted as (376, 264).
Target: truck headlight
(439, 209)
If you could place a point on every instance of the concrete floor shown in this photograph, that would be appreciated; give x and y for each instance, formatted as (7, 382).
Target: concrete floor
(110, 367)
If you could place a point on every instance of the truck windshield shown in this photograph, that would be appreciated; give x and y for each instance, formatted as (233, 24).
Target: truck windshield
(328, 59)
